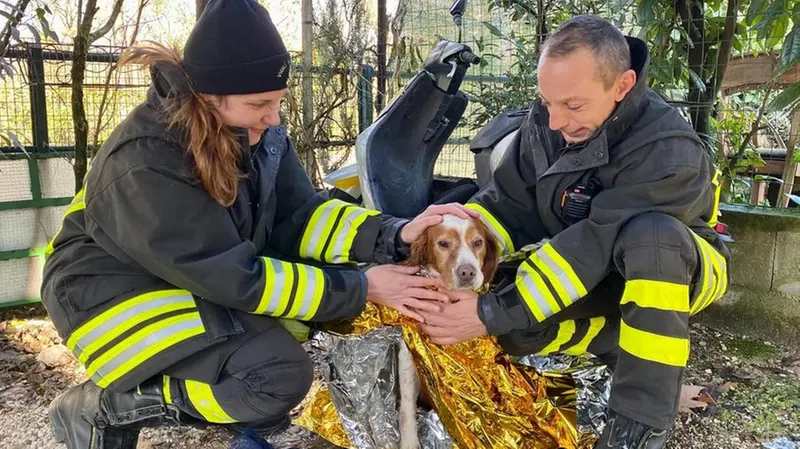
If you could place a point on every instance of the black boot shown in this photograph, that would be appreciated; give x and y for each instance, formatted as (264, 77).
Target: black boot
(86, 416)
(624, 433)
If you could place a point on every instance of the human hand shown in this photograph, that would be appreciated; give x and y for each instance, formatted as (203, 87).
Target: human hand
(400, 288)
(431, 217)
(457, 321)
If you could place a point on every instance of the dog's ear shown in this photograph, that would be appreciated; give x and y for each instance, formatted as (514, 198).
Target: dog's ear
(491, 260)
(419, 251)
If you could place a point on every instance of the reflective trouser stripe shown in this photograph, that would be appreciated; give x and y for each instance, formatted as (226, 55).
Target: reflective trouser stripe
(501, 235)
(116, 341)
(596, 325)
(713, 277)
(547, 283)
(657, 295)
(166, 389)
(109, 325)
(653, 347)
(654, 322)
(291, 290)
(717, 192)
(331, 231)
(568, 330)
(202, 399)
(143, 345)
(77, 204)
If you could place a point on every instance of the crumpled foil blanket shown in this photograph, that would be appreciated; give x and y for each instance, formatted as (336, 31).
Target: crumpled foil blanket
(481, 398)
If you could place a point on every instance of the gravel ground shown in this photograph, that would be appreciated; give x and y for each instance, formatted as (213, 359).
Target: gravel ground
(751, 396)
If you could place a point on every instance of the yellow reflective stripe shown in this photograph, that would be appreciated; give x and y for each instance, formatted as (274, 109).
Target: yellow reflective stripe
(165, 388)
(203, 400)
(503, 237)
(319, 228)
(278, 285)
(657, 295)
(120, 314)
(340, 253)
(130, 324)
(143, 345)
(719, 272)
(535, 293)
(717, 192)
(317, 283)
(566, 329)
(564, 273)
(596, 324)
(653, 347)
(280, 280)
(75, 205)
(707, 278)
(324, 229)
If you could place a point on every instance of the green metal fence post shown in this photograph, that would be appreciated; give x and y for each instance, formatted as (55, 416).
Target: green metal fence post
(38, 99)
(365, 98)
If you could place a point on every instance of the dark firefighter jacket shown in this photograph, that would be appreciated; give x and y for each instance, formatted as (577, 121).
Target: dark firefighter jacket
(644, 158)
(148, 269)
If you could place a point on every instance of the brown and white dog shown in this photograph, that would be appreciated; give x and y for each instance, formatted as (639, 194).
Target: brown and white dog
(463, 254)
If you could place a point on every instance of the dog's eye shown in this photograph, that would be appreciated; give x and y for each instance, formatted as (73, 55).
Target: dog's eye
(477, 243)
(444, 244)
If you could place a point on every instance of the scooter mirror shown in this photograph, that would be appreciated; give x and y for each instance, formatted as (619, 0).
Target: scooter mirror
(458, 8)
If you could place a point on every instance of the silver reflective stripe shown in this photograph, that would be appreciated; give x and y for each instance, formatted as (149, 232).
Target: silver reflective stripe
(526, 273)
(342, 234)
(275, 270)
(310, 291)
(317, 240)
(145, 340)
(560, 277)
(128, 318)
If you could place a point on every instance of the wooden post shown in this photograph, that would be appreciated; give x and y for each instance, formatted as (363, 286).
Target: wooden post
(758, 190)
(308, 82)
(789, 167)
(383, 28)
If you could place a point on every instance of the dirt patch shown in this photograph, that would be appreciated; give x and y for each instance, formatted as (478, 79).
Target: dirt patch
(752, 388)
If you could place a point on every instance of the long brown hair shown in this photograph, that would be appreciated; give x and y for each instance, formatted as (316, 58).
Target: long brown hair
(214, 147)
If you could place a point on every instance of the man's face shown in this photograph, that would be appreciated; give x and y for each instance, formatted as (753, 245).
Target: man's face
(577, 101)
(254, 112)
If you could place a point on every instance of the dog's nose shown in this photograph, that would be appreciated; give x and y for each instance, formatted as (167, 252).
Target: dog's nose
(466, 273)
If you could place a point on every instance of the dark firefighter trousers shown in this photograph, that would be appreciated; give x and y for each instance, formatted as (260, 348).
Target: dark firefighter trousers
(261, 377)
(637, 319)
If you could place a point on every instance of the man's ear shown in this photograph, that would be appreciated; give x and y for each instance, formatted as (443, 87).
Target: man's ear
(625, 83)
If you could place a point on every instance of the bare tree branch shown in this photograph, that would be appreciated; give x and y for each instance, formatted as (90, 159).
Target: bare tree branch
(103, 30)
(17, 17)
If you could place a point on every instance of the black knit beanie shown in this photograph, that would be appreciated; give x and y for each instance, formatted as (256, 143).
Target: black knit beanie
(234, 48)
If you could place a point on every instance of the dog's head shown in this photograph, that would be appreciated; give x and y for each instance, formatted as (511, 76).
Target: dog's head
(462, 252)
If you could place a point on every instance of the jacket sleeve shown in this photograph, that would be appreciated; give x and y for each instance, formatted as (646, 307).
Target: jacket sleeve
(311, 225)
(174, 230)
(507, 205)
(674, 178)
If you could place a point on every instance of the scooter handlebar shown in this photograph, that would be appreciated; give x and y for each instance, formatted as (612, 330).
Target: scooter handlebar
(468, 57)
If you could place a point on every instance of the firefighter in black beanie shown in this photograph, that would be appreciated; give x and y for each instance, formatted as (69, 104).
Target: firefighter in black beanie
(186, 266)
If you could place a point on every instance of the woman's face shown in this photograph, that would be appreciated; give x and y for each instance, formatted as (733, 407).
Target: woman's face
(254, 112)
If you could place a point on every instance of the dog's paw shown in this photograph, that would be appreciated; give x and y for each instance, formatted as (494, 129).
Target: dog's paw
(412, 443)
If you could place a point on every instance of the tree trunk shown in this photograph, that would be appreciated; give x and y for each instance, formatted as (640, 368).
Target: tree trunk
(80, 53)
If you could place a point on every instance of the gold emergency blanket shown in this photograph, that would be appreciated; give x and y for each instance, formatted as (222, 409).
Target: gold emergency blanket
(483, 398)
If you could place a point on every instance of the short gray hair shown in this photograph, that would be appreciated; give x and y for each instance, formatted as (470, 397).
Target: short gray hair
(603, 39)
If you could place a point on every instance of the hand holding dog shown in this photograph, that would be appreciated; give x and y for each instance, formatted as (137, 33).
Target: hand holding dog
(431, 217)
(456, 322)
(400, 288)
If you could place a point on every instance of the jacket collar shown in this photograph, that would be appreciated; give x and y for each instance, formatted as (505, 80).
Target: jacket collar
(629, 110)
